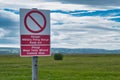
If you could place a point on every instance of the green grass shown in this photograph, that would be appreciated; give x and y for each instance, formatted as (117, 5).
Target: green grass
(72, 67)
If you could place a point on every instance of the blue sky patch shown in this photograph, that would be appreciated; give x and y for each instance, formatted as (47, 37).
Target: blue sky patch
(11, 10)
(80, 13)
(116, 19)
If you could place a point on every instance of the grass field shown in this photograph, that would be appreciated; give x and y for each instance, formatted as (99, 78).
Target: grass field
(73, 67)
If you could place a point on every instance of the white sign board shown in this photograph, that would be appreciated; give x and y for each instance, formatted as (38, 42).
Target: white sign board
(35, 32)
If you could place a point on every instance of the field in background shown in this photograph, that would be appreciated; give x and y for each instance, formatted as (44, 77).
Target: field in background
(72, 67)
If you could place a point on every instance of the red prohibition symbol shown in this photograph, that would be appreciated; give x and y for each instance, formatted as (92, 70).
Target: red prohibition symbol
(35, 21)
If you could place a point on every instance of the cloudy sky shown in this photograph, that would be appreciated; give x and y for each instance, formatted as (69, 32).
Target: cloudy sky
(74, 23)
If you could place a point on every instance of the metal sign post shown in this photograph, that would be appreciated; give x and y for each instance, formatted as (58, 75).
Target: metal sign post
(34, 68)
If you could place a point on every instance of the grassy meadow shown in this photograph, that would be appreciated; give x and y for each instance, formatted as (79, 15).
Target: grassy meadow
(72, 67)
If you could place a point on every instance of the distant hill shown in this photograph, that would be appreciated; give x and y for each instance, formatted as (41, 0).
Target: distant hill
(7, 50)
(84, 51)
(4, 50)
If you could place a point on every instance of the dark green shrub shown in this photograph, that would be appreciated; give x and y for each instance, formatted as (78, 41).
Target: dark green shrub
(58, 56)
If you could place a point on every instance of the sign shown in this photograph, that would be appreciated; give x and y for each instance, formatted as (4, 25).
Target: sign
(35, 32)
(28, 15)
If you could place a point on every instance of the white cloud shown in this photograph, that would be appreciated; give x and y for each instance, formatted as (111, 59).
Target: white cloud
(51, 5)
(9, 27)
(9, 15)
(82, 32)
(92, 2)
(10, 45)
(69, 31)
(3, 32)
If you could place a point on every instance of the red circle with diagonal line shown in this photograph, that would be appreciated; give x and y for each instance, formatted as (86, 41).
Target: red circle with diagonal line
(35, 21)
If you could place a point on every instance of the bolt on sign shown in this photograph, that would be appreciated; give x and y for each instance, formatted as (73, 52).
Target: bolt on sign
(35, 32)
